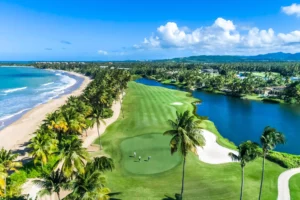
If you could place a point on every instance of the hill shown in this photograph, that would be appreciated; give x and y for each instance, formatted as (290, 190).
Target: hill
(279, 56)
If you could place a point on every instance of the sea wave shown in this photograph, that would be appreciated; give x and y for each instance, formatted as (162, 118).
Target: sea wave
(69, 81)
(42, 94)
(14, 90)
(12, 115)
(48, 84)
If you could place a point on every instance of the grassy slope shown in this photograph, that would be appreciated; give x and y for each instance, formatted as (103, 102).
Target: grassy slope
(295, 187)
(146, 111)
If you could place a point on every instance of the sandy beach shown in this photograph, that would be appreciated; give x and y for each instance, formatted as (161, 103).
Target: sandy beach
(16, 135)
(32, 190)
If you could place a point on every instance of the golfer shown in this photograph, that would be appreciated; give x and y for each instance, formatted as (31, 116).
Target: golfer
(134, 154)
(140, 158)
(149, 157)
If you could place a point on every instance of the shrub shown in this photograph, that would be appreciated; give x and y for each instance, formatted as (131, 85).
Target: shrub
(18, 177)
(283, 159)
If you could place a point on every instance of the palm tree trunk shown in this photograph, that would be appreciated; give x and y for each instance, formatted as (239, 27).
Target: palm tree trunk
(242, 184)
(262, 177)
(99, 136)
(58, 195)
(182, 186)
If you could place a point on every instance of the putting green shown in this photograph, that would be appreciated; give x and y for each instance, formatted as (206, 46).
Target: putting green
(154, 145)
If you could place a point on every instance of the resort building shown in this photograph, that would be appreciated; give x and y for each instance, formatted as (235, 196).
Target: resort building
(271, 91)
(210, 71)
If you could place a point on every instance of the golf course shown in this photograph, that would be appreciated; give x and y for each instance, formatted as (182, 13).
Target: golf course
(140, 127)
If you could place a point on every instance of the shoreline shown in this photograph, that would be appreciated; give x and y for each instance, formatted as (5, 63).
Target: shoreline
(18, 115)
(18, 133)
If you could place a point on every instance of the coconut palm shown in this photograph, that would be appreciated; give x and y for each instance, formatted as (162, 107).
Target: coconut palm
(247, 151)
(52, 183)
(8, 163)
(97, 118)
(3, 176)
(42, 146)
(98, 194)
(103, 163)
(75, 121)
(72, 155)
(269, 140)
(56, 122)
(186, 136)
(86, 184)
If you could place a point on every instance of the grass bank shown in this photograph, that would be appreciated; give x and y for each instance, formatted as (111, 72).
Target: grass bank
(295, 187)
(146, 111)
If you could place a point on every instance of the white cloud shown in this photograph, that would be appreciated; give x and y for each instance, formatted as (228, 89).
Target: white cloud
(102, 52)
(260, 38)
(227, 25)
(222, 36)
(290, 37)
(293, 9)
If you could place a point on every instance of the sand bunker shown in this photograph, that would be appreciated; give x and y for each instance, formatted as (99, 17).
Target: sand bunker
(177, 103)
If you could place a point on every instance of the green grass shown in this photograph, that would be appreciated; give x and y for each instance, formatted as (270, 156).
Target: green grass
(252, 97)
(169, 82)
(154, 145)
(146, 111)
(263, 74)
(294, 184)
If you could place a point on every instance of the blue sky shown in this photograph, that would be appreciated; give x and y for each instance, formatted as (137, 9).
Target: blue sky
(121, 30)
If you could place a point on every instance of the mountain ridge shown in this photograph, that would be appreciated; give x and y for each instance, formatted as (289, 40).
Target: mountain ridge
(277, 56)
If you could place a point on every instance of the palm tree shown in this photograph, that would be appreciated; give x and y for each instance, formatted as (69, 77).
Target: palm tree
(8, 163)
(53, 182)
(3, 176)
(42, 146)
(97, 118)
(72, 155)
(98, 194)
(269, 139)
(75, 121)
(86, 184)
(103, 163)
(247, 151)
(186, 136)
(55, 121)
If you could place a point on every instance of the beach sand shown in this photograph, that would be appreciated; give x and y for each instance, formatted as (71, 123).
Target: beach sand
(16, 136)
(32, 190)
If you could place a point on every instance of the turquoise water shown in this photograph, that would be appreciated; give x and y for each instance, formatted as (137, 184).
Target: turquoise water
(22, 88)
(240, 120)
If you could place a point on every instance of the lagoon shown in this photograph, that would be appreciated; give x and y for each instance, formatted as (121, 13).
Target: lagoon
(240, 120)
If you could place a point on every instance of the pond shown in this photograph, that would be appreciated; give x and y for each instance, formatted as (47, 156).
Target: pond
(240, 120)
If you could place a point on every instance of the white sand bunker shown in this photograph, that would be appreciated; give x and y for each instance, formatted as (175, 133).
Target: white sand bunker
(212, 152)
(177, 103)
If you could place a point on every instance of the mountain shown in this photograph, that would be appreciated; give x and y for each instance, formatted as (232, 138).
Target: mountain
(279, 56)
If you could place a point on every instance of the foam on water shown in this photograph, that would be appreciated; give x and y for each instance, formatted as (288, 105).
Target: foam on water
(48, 84)
(16, 101)
(14, 90)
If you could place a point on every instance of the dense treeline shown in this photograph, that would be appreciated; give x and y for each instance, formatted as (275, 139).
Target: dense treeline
(261, 81)
(59, 158)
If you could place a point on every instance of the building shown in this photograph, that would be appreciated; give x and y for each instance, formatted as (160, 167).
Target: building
(271, 91)
(210, 71)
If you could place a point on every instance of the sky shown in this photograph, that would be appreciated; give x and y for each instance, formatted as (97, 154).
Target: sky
(100, 30)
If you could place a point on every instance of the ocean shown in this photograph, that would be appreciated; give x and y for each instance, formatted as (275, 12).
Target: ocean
(23, 88)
